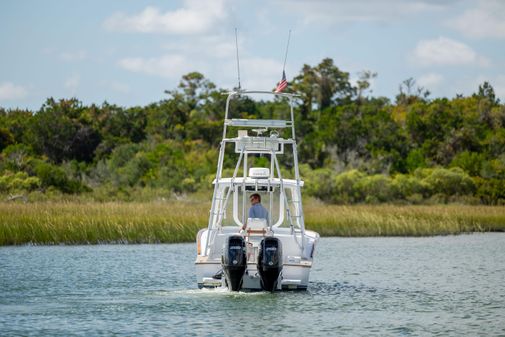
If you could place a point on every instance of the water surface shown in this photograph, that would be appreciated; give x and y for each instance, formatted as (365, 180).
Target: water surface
(446, 286)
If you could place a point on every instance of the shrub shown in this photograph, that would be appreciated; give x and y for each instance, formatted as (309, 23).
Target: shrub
(345, 187)
(415, 159)
(375, 188)
(189, 184)
(15, 157)
(405, 186)
(319, 183)
(53, 176)
(134, 170)
(471, 162)
(449, 182)
(122, 155)
(494, 168)
(19, 181)
(490, 191)
(415, 198)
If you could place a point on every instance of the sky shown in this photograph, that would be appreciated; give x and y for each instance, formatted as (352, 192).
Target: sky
(128, 52)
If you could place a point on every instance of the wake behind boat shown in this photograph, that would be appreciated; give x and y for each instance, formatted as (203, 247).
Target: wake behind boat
(264, 246)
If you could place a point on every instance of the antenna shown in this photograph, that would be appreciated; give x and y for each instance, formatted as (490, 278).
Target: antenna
(286, 55)
(238, 63)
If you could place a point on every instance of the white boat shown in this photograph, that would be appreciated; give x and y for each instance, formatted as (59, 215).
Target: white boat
(270, 253)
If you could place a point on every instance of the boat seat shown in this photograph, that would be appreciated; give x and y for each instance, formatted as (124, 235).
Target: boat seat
(256, 226)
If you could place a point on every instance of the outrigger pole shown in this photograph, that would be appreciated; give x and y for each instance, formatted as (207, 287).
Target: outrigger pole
(238, 64)
(286, 54)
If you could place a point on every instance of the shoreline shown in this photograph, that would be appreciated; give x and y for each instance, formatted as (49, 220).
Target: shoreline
(63, 244)
(90, 223)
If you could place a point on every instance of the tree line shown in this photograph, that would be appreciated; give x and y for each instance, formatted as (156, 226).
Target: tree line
(354, 147)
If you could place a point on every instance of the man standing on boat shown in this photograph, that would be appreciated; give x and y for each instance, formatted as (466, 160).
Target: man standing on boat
(257, 211)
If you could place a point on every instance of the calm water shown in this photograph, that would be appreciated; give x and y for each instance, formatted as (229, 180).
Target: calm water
(447, 286)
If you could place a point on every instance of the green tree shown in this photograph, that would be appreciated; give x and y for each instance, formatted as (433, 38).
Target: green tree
(59, 131)
(363, 83)
(324, 84)
(6, 138)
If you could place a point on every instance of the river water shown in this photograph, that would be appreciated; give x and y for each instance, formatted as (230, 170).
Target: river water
(446, 286)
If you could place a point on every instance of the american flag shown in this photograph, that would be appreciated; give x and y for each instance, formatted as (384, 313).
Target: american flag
(282, 84)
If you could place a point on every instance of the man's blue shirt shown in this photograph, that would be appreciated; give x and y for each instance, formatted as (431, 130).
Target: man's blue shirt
(258, 211)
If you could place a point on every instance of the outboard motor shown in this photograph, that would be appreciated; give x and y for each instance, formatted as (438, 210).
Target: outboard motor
(234, 262)
(270, 263)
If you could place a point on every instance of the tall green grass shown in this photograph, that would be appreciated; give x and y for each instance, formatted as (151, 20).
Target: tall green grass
(178, 221)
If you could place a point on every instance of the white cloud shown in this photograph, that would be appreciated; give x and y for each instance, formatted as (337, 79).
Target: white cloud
(430, 81)
(444, 51)
(327, 12)
(169, 66)
(484, 21)
(11, 91)
(72, 83)
(193, 18)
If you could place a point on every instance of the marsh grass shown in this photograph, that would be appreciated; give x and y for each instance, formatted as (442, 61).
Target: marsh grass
(391, 220)
(178, 221)
(93, 223)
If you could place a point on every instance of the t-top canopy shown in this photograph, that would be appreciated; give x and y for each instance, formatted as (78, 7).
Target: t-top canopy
(263, 123)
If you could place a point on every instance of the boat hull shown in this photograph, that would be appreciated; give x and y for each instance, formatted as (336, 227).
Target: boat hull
(296, 264)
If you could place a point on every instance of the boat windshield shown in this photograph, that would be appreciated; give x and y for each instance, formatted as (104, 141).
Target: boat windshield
(237, 209)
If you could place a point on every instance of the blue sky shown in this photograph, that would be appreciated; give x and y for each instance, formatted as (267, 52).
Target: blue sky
(128, 52)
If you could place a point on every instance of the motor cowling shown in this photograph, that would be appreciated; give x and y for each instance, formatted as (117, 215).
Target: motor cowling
(234, 262)
(270, 263)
